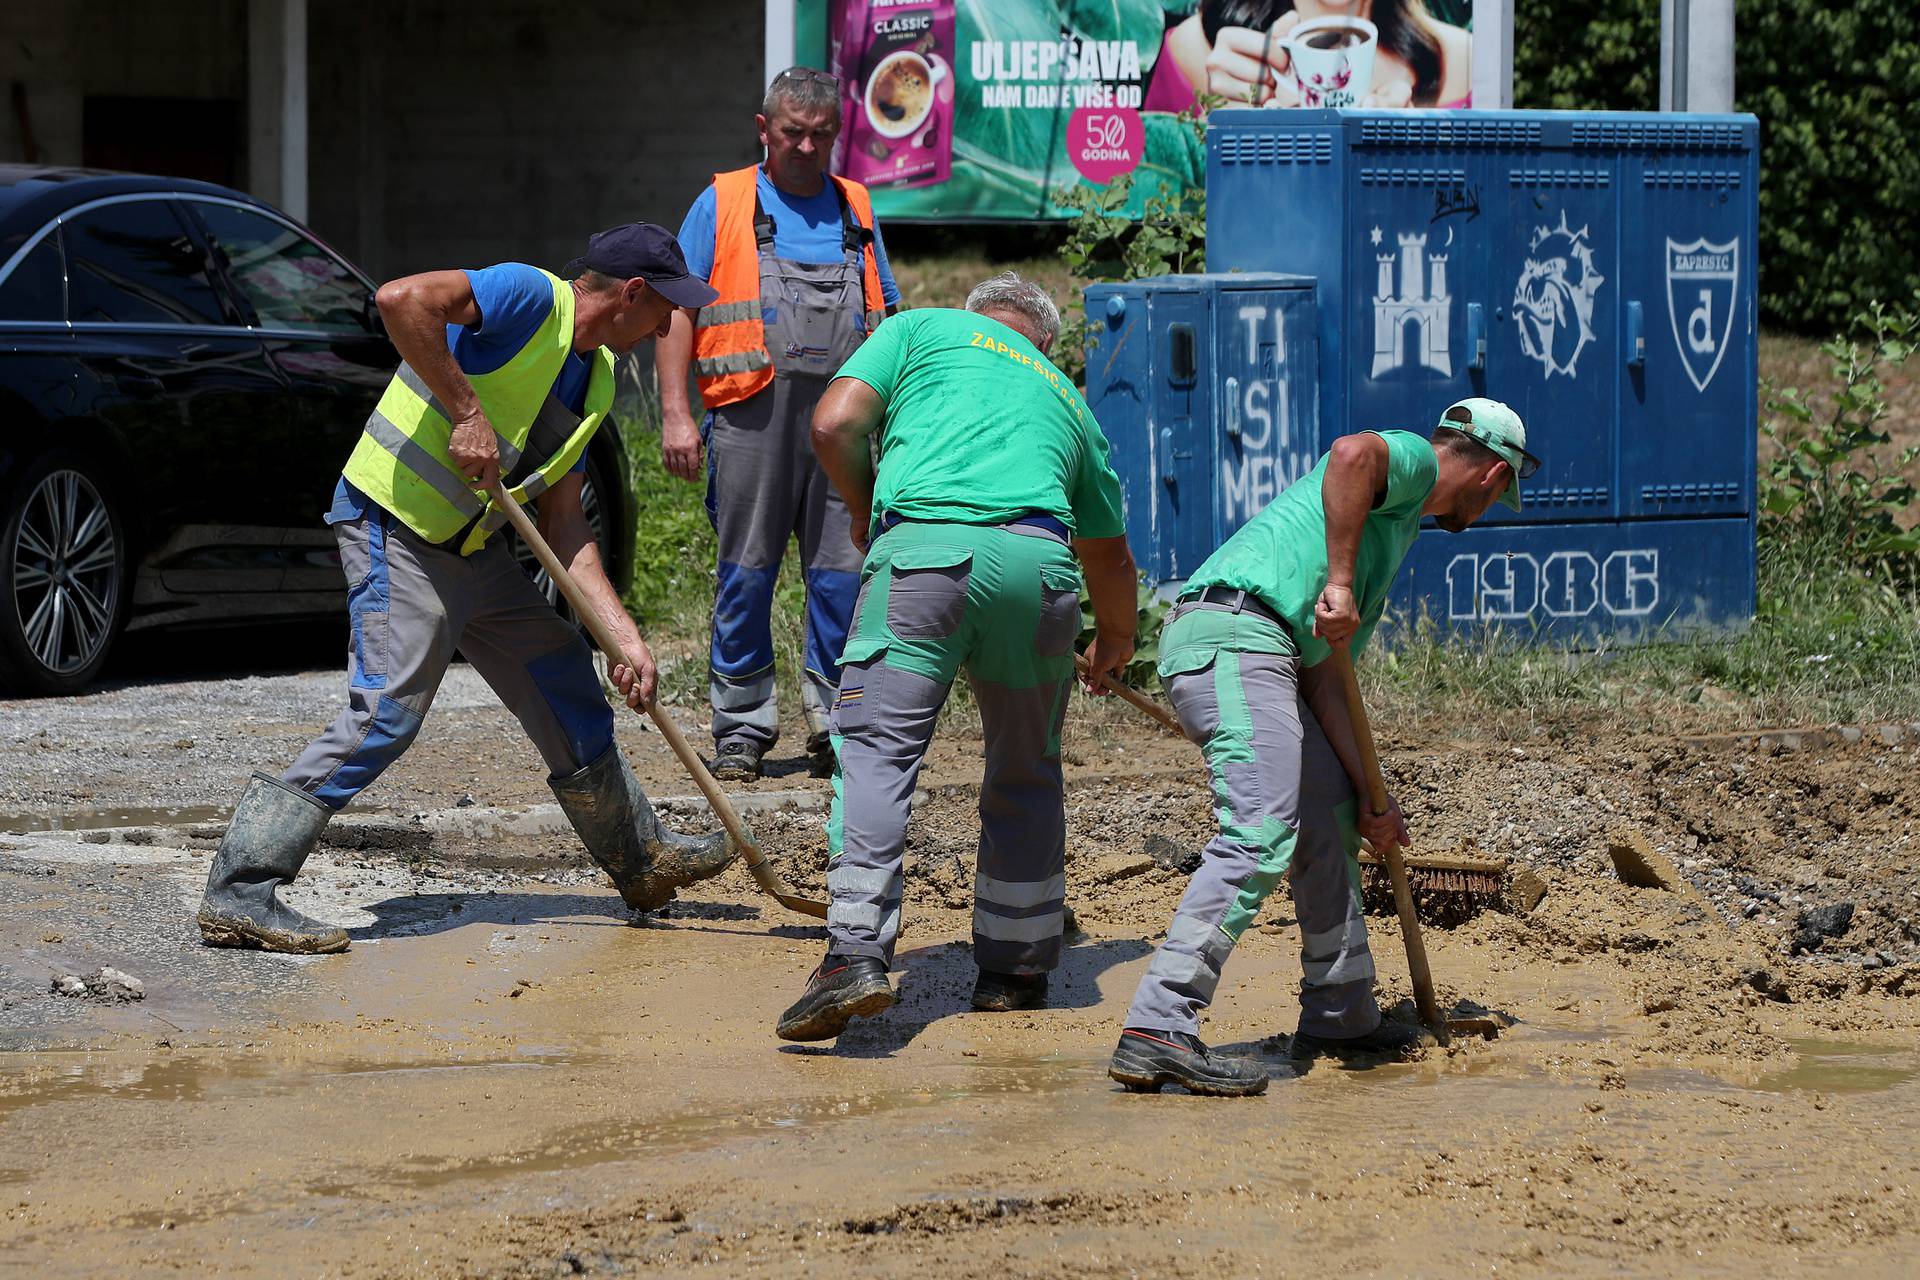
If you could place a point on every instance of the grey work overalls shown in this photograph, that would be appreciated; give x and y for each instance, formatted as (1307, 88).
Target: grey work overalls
(764, 485)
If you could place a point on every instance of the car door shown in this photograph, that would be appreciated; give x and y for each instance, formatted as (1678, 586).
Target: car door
(314, 315)
(177, 376)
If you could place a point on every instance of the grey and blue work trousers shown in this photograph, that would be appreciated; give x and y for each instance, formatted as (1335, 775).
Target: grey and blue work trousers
(411, 604)
(764, 485)
(1286, 810)
(1004, 601)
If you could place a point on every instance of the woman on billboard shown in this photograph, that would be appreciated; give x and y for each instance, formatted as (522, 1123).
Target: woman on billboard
(1245, 51)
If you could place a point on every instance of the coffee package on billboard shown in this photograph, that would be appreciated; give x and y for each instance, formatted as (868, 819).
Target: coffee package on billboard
(894, 59)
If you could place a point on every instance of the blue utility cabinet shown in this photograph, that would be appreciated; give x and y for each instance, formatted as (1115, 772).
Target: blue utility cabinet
(1208, 389)
(1596, 270)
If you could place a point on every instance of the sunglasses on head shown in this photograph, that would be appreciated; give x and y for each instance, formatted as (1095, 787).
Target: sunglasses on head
(1528, 463)
(806, 75)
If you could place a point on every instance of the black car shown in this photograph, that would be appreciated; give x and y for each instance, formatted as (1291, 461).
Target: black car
(183, 372)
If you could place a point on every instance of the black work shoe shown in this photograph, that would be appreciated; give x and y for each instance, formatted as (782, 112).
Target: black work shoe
(736, 760)
(1005, 992)
(841, 989)
(820, 754)
(1388, 1042)
(1146, 1060)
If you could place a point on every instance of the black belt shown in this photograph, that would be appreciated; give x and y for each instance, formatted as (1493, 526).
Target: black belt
(1235, 599)
(1038, 519)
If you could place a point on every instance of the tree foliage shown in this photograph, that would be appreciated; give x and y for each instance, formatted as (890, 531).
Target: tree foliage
(1837, 92)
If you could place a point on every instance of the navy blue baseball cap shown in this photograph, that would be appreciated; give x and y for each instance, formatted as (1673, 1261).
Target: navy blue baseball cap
(650, 253)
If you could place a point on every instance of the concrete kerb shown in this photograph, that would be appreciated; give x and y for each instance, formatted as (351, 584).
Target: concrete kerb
(474, 822)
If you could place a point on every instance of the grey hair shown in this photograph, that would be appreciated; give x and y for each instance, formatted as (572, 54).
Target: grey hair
(802, 93)
(1009, 292)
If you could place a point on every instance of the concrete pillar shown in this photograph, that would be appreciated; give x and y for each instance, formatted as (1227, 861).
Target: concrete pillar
(1493, 53)
(277, 103)
(779, 39)
(1696, 55)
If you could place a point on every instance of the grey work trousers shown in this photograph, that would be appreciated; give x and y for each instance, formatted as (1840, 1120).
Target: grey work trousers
(1286, 808)
(764, 485)
(412, 604)
(1005, 603)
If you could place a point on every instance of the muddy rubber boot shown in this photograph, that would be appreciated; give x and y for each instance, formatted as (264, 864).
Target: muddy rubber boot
(613, 818)
(273, 829)
(841, 989)
(1005, 992)
(1145, 1060)
(820, 754)
(1388, 1042)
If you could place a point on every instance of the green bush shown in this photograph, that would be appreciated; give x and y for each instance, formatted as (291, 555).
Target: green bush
(1834, 87)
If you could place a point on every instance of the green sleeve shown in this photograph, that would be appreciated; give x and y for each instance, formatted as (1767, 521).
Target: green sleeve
(879, 360)
(1412, 470)
(1095, 495)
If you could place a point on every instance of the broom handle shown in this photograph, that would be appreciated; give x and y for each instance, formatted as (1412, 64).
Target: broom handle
(1389, 850)
(603, 636)
(1133, 697)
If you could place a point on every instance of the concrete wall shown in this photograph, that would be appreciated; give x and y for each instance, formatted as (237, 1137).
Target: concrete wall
(441, 132)
(463, 132)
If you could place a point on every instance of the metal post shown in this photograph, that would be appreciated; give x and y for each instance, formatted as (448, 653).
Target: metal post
(779, 38)
(1493, 53)
(1696, 55)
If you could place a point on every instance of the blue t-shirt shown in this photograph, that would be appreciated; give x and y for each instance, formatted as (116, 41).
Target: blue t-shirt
(805, 229)
(514, 300)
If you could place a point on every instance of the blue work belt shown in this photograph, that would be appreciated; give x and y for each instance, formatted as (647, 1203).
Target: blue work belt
(1234, 600)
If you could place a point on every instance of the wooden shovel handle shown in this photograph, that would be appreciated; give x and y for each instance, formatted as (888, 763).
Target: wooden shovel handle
(1133, 697)
(603, 636)
(1389, 851)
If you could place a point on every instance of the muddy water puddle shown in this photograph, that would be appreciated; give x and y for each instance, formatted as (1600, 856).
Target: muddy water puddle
(1841, 1066)
(98, 819)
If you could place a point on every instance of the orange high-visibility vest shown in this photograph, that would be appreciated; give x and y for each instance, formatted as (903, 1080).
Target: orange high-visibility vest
(730, 357)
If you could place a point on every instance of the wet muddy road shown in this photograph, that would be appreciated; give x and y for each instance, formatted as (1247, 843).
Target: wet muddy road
(506, 1076)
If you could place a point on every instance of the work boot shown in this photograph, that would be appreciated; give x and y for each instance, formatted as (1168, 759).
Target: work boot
(1388, 1042)
(646, 862)
(1005, 992)
(841, 989)
(273, 829)
(1145, 1060)
(820, 754)
(736, 760)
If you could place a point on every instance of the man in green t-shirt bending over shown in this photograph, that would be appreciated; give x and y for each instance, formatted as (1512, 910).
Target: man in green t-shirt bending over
(992, 476)
(1242, 659)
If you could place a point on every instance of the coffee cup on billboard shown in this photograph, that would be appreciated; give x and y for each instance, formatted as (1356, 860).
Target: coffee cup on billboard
(900, 93)
(1333, 60)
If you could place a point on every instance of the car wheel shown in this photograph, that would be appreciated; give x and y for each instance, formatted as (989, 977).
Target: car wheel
(591, 485)
(63, 564)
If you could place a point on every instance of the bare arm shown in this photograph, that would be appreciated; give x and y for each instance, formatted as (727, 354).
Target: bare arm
(417, 311)
(564, 525)
(679, 435)
(846, 418)
(1356, 480)
(1111, 581)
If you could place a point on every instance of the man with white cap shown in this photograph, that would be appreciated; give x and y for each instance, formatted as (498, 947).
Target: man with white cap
(1243, 659)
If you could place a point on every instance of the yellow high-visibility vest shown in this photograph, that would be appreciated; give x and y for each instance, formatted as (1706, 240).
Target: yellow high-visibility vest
(401, 459)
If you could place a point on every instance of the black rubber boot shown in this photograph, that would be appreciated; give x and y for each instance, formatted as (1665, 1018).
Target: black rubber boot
(1145, 1060)
(1388, 1042)
(820, 754)
(736, 760)
(273, 829)
(1005, 992)
(614, 820)
(841, 989)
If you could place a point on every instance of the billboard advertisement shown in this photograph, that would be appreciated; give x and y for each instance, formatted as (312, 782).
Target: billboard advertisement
(956, 110)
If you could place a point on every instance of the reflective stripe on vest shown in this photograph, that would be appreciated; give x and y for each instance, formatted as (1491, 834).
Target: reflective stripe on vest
(731, 361)
(401, 460)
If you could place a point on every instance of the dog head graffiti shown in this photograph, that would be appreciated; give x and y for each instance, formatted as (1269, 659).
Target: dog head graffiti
(1553, 302)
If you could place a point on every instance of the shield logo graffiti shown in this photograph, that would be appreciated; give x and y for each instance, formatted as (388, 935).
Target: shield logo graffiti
(1702, 285)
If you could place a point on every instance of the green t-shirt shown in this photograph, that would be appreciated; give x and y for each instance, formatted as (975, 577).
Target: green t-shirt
(981, 428)
(1281, 554)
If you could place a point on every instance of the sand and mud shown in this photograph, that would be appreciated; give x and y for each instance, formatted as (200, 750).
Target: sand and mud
(508, 1076)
